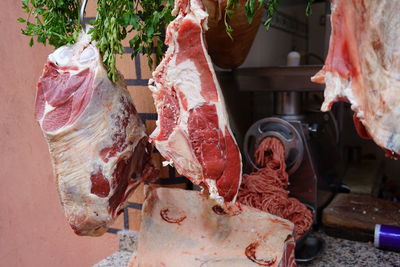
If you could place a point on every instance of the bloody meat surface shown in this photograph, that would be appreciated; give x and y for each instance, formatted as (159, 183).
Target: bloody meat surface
(193, 130)
(363, 66)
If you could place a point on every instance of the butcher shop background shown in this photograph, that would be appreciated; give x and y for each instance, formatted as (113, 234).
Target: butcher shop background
(33, 230)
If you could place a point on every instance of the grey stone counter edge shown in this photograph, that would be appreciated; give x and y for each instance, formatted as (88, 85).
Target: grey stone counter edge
(337, 253)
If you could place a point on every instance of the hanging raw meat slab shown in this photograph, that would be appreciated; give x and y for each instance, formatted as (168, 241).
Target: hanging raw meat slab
(97, 142)
(192, 128)
(363, 67)
(183, 228)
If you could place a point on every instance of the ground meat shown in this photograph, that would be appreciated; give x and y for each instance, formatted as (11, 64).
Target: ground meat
(265, 189)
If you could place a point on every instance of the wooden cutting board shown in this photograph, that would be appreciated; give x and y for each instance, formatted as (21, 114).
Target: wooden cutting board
(353, 217)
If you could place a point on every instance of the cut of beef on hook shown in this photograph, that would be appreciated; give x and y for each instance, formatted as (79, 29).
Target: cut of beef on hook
(193, 130)
(363, 67)
(98, 145)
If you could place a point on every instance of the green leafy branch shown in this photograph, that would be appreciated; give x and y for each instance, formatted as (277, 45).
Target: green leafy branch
(251, 7)
(150, 22)
(56, 22)
(308, 8)
(272, 8)
(52, 22)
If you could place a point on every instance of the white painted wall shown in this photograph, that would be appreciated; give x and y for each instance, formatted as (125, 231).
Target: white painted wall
(271, 47)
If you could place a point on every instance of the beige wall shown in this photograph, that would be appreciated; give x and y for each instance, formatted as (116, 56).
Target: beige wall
(33, 231)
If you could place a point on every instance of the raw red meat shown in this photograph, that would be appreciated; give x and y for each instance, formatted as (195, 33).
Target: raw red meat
(182, 228)
(192, 130)
(265, 189)
(97, 142)
(363, 67)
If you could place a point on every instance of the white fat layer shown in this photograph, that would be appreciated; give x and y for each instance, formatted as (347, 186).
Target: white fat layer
(185, 77)
(62, 56)
(81, 55)
(87, 55)
(213, 190)
(339, 88)
(196, 7)
(155, 90)
(47, 108)
(166, 163)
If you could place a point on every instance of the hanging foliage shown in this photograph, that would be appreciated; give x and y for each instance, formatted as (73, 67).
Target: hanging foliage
(56, 22)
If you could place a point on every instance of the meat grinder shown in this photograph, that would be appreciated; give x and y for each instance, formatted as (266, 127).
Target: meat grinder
(310, 141)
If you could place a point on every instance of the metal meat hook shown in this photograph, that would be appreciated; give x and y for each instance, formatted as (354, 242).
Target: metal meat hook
(82, 15)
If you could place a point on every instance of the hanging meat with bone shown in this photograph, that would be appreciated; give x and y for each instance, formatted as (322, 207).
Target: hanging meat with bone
(192, 130)
(363, 67)
(99, 149)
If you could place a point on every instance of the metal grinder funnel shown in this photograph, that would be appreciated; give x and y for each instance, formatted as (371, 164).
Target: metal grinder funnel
(278, 128)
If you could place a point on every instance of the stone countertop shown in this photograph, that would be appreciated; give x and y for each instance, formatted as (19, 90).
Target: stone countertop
(341, 252)
(118, 259)
(337, 252)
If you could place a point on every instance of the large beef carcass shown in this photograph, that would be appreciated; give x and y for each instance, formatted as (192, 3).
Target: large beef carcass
(192, 130)
(363, 67)
(183, 228)
(97, 142)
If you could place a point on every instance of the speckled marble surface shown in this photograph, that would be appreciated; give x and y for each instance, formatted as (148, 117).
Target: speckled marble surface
(341, 252)
(118, 259)
(337, 253)
(127, 240)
